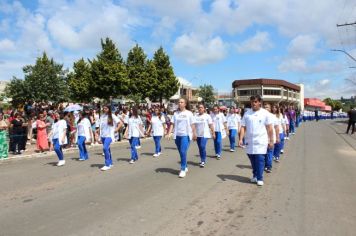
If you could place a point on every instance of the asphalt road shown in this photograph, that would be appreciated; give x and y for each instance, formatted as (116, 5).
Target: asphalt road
(312, 191)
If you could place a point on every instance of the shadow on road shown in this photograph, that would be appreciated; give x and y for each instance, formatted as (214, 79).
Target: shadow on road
(96, 165)
(170, 148)
(243, 166)
(123, 159)
(241, 179)
(52, 163)
(75, 158)
(147, 154)
(167, 170)
(192, 163)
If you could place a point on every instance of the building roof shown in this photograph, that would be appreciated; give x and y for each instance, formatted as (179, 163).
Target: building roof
(264, 81)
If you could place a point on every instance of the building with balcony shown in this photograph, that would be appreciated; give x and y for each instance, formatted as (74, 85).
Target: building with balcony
(271, 90)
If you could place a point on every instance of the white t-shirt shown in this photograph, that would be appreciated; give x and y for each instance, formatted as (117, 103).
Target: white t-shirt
(108, 131)
(275, 122)
(202, 123)
(182, 121)
(219, 120)
(134, 127)
(233, 121)
(256, 133)
(97, 120)
(281, 123)
(157, 125)
(84, 129)
(58, 130)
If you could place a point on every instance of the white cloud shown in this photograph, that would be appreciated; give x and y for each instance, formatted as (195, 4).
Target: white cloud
(197, 51)
(300, 65)
(302, 45)
(6, 45)
(259, 42)
(324, 82)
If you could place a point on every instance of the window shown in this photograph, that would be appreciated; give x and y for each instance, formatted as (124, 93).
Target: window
(272, 92)
(285, 93)
(249, 92)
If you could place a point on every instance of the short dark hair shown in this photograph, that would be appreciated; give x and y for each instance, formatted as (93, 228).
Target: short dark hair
(256, 97)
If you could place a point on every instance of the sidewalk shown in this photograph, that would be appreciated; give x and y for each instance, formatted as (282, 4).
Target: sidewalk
(30, 149)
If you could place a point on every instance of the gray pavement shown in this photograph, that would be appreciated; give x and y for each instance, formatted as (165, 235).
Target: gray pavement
(311, 192)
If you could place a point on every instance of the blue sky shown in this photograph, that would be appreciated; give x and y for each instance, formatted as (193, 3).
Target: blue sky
(209, 42)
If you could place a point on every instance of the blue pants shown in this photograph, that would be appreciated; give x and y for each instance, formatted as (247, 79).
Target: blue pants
(83, 153)
(58, 149)
(138, 142)
(269, 158)
(278, 147)
(157, 140)
(106, 149)
(258, 165)
(232, 138)
(291, 126)
(182, 143)
(218, 143)
(134, 143)
(201, 141)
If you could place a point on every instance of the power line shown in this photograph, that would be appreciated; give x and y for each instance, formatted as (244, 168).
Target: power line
(346, 24)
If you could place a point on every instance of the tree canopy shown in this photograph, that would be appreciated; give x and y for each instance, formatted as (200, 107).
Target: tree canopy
(206, 92)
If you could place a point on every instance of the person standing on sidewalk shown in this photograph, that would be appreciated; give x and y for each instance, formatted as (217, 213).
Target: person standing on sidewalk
(183, 132)
(205, 129)
(352, 121)
(220, 130)
(4, 146)
(256, 125)
(42, 138)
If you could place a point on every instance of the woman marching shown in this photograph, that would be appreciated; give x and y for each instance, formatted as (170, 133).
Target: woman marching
(42, 139)
(59, 136)
(278, 147)
(158, 128)
(220, 130)
(133, 132)
(183, 131)
(233, 124)
(85, 134)
(109, 124)
(205, 130)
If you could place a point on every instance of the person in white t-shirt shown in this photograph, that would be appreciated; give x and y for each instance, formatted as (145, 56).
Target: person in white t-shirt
(183, 131)
(109, 124)
(276, 138)
(133, 132)
(221, 130)
(85, 134)
(59, 136)
(282, 133)
(256, 125)
(233, 125)
(205, 129)
(158, 128)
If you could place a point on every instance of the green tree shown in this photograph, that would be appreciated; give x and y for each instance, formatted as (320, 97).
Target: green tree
(206, 92)
(44, 81)
(79, 81)
(337, 106)
(136, 64)
(166, 84)
(108, 74)
(18, 91)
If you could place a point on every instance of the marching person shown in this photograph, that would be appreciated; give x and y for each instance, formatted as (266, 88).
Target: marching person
(205, 129)
(276, 138)
(233, 125)
(109, 124)
(256, 125)
(59, 136)
(85, 135)
(158, 127)
(278, 147)
(184, 131)
(221, 130)
(133, 132)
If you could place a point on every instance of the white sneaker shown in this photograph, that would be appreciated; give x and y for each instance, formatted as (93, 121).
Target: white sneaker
(254, 180)
(155, 155)
(138, 147)
(186, 169)
(103, 154)
(104, 168)
(260, 183)
(282, 151)
(61, 163)
(159, 153)
(202, 164)
(132, 162)
(182, 174)
(218, 157)
(232, 150)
